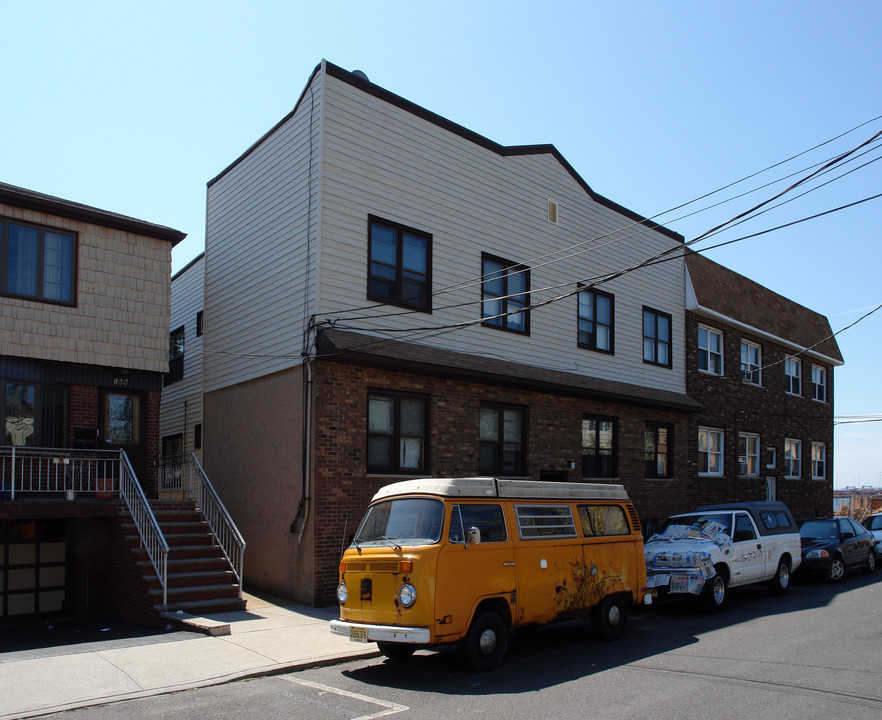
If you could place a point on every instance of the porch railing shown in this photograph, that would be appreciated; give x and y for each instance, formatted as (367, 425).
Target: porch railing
(184, 474)
(65, 473)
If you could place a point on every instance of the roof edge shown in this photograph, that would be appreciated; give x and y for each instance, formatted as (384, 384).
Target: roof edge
(49, 204)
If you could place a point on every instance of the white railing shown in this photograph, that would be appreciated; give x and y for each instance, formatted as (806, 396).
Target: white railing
(184, 474)
(66, 473)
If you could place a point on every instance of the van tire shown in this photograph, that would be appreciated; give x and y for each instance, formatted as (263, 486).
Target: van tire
(486, 642)
(609, 618)
(780, 582)
(715, 592)
(396, 651)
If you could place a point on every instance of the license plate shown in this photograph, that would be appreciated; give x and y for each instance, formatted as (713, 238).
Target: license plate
(358, 634)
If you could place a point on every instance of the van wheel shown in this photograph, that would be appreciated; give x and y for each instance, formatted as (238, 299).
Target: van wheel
(396, 651)
(609, 618)
(780, 582)
(715, 593)
(485, 645)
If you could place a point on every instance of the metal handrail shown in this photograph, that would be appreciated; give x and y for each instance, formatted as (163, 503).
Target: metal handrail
(152, 539)
(184, 473)
(64, 471)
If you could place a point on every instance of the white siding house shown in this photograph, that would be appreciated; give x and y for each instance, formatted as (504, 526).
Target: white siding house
(308, 331)
(180, 420)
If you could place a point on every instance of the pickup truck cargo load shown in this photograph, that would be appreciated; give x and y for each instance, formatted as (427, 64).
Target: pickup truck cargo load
(718, 547)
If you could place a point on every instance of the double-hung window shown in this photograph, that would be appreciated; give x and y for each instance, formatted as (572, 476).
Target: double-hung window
(748, 454)
(792, 458)
(502, 434)
(596, 320)
(819, 383)
(792, 376)
(751, 362)
(819, 461)
(710, 452)
(397, 436)
(505, 294)
(37, 263)
(598, 447)
(657, 448)
(399, 267)
(710, 351)
(656, 337)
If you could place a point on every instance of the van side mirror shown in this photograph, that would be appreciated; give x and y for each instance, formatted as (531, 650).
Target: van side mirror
(474, 537)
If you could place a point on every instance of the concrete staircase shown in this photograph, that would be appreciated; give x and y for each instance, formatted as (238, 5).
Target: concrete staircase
(199, 578)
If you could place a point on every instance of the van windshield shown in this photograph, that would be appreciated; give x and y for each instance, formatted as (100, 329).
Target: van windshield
(402, 521)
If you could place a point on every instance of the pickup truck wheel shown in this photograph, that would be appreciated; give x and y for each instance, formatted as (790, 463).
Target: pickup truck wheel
(715, 592)
(485, 644)
(780, 582)
(871, 561)
(609, 618)
(837, 570)
(396, 651)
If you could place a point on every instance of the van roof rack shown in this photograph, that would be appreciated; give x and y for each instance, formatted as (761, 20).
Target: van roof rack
(478, 487)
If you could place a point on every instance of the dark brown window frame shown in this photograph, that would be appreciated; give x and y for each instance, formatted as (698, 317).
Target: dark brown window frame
(502, 323)
(655, 427)
(594, 293)
(615, 447)
(656, 342)
(396, 435)
(399, 269)
(499, 467)
(5, 222)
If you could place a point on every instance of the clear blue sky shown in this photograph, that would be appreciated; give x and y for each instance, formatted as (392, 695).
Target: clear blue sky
(133, 107)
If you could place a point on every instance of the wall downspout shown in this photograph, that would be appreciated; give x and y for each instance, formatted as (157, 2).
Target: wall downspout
(307, 446)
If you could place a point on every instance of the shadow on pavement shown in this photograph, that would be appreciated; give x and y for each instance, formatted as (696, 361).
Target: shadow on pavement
(561, 653)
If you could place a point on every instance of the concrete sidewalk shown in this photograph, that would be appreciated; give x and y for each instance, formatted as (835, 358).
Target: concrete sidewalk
(270, 636)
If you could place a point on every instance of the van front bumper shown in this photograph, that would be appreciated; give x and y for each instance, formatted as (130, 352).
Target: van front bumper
(360, 632)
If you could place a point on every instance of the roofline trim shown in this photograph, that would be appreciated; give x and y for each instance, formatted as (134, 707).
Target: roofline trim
(38, 202)
(380, 93)
(707, 312)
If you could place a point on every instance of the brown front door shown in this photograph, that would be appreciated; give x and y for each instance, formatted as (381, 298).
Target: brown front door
(123, 427)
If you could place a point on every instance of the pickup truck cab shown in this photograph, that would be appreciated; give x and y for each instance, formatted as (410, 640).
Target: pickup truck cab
(718, 547)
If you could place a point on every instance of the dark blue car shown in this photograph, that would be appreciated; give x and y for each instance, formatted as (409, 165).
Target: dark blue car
(832, 546)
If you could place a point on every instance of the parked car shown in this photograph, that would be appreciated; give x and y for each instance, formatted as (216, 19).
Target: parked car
(874, 525)
(718, 547)
(832, 546)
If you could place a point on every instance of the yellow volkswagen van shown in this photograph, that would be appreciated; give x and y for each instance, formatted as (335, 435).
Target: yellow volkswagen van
(465, 560)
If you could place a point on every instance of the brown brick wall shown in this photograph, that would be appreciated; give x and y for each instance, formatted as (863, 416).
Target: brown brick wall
(736, 407)
(343, 488)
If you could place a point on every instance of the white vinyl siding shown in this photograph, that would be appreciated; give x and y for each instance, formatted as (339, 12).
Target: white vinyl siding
(381, 160)
(257, 254)
(181, 405)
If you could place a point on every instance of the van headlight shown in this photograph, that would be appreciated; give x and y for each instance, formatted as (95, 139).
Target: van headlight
(407, 595)
(342, 593)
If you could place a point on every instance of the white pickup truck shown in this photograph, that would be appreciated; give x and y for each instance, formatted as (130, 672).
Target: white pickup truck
(718, 547)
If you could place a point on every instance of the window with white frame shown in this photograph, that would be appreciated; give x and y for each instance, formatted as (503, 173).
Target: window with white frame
(751, 361)
(819, 383)
(792, 376)
(748, 454)
(710, 451)
(819, 461)
(792, 458)
(710, 351)
(771, 458)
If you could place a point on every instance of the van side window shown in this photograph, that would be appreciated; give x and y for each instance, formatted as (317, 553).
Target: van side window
(545, 521)
(603, 520)
(487, 518)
